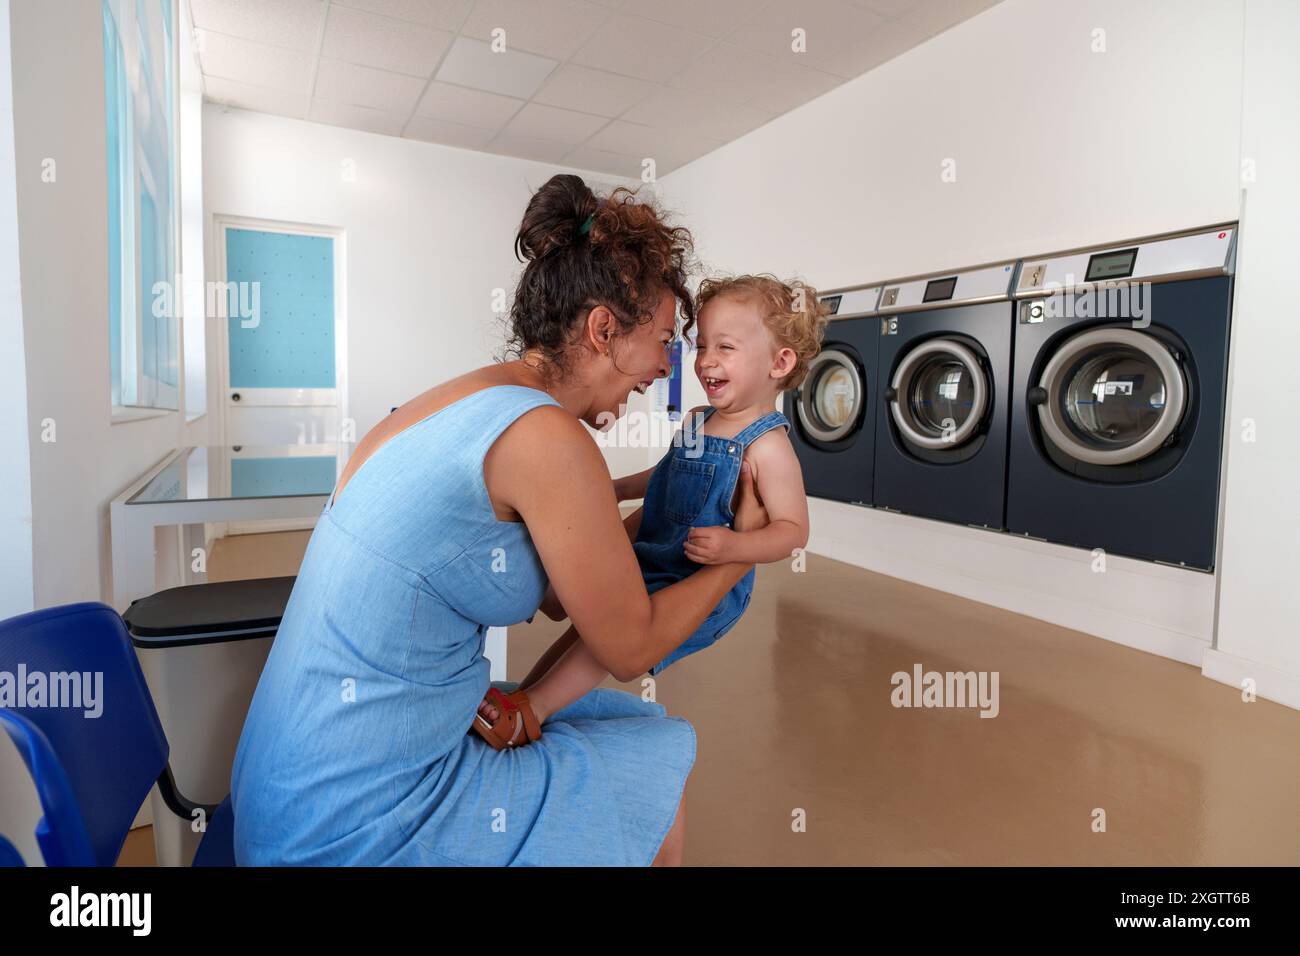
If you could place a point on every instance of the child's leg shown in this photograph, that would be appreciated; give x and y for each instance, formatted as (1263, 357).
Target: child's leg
(574, 674)
(547, 660)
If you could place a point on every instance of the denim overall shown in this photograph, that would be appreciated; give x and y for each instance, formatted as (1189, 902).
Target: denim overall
(692, 486)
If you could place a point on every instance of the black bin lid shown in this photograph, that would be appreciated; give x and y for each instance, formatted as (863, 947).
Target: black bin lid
(209, 613)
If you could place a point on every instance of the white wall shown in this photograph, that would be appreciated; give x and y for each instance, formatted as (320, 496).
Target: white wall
(429, 233)
(58, 90)
(20, 807)
(1055, 146)
(16, 591)
(1259, 600)
(193, 333)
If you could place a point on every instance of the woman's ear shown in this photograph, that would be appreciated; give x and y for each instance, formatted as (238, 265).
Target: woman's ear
(601, 329)
(784, 363)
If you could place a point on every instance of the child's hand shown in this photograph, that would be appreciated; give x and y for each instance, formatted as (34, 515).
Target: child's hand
(713, 545)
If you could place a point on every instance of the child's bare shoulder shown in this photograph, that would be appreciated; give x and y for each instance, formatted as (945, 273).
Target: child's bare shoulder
(772, 458)
(772, 445)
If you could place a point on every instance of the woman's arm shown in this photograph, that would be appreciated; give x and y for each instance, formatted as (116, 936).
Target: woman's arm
(553, 475)
(551, 605)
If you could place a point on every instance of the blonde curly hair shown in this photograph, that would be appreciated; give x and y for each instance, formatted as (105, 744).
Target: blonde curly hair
(790, 310)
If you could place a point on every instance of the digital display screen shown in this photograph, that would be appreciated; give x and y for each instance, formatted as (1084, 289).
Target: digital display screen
(939, 289)
(832, 303)
(1111, 265)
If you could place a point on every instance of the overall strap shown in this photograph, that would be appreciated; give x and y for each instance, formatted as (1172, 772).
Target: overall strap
(760, 427)
(693, 422)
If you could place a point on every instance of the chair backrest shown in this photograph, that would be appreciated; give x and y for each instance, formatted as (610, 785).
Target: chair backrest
(61, 832)
(9, 855)
(73, 675)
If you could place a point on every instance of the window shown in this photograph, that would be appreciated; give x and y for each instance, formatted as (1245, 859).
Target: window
(140, 101)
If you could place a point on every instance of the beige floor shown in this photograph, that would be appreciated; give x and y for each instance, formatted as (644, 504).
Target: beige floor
(794, 717)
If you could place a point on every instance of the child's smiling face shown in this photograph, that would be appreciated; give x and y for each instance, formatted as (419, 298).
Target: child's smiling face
(736, 356)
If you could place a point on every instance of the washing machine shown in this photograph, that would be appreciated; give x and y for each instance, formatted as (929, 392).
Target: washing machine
(831, 415)
(944, 379)
(1117, 416)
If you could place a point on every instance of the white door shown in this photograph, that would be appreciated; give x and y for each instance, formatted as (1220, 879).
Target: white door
(281, 296)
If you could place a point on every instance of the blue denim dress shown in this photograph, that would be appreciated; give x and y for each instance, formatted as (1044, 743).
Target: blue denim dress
(692, 486)
(355, 749)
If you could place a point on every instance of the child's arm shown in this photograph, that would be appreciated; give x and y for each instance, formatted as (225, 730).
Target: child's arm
(779, 482)
(631, 487)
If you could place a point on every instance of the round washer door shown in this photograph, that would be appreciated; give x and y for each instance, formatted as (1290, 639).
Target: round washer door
(1111, 396)
(940, 394)
(832, 397)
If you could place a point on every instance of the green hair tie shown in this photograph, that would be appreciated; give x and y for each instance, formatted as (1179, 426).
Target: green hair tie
(586, 225)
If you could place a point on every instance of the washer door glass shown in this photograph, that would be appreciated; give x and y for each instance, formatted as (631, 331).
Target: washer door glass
(830, 401)
(1113, 396)
(940, 394)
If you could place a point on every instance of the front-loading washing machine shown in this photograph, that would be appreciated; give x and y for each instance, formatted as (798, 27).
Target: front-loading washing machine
(1117, 418)
(831, 413)
(945, 379)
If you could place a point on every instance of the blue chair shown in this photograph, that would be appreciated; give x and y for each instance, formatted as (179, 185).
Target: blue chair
(93, 773)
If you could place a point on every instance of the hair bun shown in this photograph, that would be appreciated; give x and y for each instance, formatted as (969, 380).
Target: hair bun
(554, 216)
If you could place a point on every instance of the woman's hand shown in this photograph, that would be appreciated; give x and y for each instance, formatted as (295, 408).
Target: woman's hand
(750, 513)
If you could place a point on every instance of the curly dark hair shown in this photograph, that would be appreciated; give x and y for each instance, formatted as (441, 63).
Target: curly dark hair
(623, 261)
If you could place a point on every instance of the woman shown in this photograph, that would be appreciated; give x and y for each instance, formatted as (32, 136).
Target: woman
(450, 518)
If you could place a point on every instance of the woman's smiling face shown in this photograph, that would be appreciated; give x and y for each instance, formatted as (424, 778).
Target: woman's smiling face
(638, 358)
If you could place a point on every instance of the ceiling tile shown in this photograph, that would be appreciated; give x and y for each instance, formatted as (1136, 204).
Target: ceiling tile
(630, 139)
(292, 24)
(276, 102)
(527, 146)
(592, 91)
(934, 18)
(554, 124)
(554, 28)
(339, 82)
(868, 51)
(727, 72)
(448, 134)
(641, 48)
(439, 14)
(713, 18)
(254, 64)
(356, 117)
(372, 40)
(511, 72)
(459, 104)
(891, 8)
(585, 157)
(789, 85)
(668, 148)
(673, 153)
(696, 114)
(829, 26)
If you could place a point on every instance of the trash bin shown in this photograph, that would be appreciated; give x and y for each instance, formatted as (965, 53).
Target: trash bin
(202, 649)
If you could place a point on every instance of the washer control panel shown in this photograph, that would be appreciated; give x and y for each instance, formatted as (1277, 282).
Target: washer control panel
(1204, 253)
(940, 290)
(850, 303)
